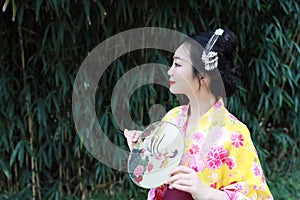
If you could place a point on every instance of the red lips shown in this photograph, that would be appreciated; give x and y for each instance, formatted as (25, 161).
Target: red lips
(171, 83)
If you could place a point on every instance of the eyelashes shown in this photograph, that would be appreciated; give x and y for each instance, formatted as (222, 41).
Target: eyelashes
(176, 64)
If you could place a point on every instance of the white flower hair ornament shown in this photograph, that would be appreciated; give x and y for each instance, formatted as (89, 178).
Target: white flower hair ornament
(210, 58)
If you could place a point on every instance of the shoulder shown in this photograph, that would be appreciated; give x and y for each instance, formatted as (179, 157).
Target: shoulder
(233, 124)
(236, 135)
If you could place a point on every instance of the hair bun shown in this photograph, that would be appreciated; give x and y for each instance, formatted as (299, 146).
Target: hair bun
(229, 43)
(225, 46)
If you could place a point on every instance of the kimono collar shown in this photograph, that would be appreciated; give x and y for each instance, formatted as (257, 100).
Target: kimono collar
(214, 109)
(214, 113)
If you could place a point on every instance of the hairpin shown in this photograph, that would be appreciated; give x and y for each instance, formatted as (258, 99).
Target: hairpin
(210, 58)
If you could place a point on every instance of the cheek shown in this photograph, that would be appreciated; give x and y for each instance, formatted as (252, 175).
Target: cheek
(188, 82)
(187, 76)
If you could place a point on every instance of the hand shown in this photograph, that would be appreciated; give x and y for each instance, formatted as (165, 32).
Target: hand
(187, 180)
(132, 137)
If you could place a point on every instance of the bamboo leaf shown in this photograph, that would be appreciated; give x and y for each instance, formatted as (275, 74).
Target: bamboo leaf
(5, 5)
(5, 169)
(258, 5)
(15, 153)
(55, 5)
(21, 154)
(21, 13)
(86, 4)
(38, 4)
(14, 8)
(41, 113)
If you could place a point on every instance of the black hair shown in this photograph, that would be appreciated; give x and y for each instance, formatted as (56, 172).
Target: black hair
(222, 78)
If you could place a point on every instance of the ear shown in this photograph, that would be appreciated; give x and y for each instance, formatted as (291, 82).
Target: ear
(203, 78)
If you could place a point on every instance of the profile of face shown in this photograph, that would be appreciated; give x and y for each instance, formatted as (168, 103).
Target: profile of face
(182, 80)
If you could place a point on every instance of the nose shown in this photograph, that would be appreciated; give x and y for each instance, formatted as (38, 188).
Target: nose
(170, 71)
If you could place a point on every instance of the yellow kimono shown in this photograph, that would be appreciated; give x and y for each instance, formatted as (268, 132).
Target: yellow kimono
(221, 151)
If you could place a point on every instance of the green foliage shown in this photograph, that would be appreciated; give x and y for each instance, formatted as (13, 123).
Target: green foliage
(43, 44)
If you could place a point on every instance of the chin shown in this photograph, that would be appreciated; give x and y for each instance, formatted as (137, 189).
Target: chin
(174, 91)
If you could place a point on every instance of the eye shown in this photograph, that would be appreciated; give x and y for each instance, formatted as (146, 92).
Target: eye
(176, 65)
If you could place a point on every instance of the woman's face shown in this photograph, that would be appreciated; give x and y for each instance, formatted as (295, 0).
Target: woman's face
(182, 80)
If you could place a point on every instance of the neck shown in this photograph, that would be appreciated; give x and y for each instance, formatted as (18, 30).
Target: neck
(200, 103)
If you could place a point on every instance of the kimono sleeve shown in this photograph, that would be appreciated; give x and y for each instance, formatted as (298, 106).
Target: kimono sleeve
(246, 179)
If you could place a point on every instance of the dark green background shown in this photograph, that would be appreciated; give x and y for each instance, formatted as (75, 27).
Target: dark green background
(43, 43)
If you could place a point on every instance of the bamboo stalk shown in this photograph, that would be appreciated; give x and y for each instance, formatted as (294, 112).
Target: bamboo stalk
(60, 165)
(67, 169)
(15, 168)
(29, 120)
(80, 174)
(38, 181)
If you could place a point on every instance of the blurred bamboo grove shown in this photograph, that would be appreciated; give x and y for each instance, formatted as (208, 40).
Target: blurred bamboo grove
(43, 44)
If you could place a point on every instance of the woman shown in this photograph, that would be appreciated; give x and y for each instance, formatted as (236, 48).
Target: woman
(220, 160)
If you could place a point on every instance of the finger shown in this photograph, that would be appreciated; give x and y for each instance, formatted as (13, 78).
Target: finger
(182, 169)
(177, 177)
(129, 134)
(183, 188)
(132, 134)
(183, 182)
(126, 133)
(135, 137)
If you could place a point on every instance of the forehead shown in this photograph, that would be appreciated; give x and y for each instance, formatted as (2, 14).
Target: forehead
(183, 53)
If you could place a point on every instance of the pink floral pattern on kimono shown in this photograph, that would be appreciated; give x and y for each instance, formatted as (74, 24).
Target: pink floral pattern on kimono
(230, 164)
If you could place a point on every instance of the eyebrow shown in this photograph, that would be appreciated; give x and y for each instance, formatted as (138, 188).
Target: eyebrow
(176, 57)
